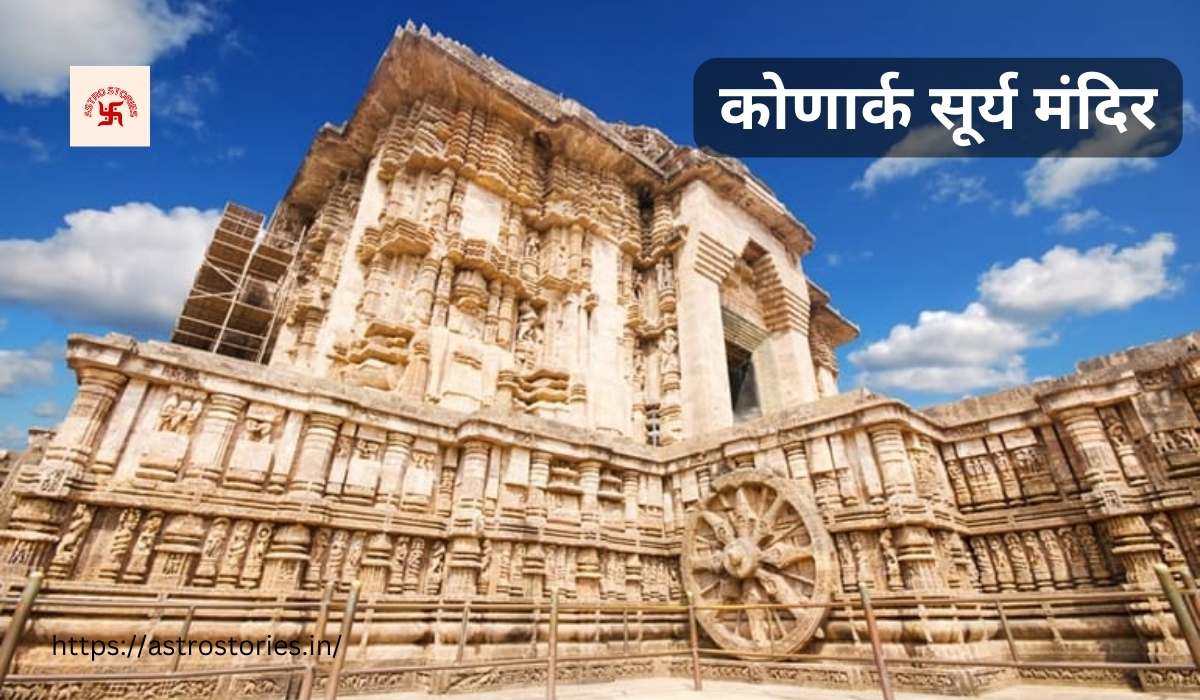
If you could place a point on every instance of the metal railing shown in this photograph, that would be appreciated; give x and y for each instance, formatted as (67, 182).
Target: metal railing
(302, 677)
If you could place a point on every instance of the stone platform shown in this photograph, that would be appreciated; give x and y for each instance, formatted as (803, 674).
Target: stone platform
(681, 689)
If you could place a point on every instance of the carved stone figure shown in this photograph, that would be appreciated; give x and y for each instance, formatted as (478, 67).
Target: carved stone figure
(529, 337)
(891, 562)
(139, 558)
(180, 411)
(433, 576)
(667, 346)
(68, 546)
(1056, 559)
(1165, 535)
(1038, 564)
(412, 569)
(210, 553)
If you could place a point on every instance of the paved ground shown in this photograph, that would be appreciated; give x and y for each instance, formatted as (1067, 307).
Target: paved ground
(681, 689)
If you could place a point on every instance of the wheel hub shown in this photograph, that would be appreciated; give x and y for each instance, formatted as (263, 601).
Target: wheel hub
(740, 558)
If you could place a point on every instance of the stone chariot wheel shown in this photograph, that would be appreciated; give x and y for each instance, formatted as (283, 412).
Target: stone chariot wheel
(758, 539)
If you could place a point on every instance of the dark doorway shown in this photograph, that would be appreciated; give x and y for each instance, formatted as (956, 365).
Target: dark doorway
(743, 392)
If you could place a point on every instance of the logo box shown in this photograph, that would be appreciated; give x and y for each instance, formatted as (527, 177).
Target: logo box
(110, 106)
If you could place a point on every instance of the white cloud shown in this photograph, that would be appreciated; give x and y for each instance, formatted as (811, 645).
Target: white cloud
(1073, 221)
(180, 100)
(960, 189)
(1053, 181)
(1066, 280)
(948, 351)
(47, 409)
(1057, 178)
(936, 379)
(40, 40)
(130, 266)
(23, 137)
(912, 155)
(1191, 119)
(981, 346)
(972, 336)
(833, 259)
(885, 170)
(22, 367)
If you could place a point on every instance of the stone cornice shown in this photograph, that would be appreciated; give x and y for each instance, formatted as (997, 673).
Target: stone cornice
(173, 364)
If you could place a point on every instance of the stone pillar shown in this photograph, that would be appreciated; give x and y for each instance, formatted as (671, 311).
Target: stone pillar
(212, 438)
(396, 453)
(79, 433)
(918, 559)
(445, 492)
(376, 563)
(589, 504)
(535, 501)
(893, 461)
(376, 282)
(308, 482)
(630, 482)
(705, 395)
(506, 389)
(504, 320)
(587, 577)
(824, 476)
(492, 317)
(441, 294)
(463, 562)
(1134, 545)
(468, 495)
(796, 456)
(633, 578)
(423, 291)
(1086, 432)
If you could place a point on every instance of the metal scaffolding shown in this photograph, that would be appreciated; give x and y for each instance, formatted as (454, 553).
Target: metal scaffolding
(235, 297)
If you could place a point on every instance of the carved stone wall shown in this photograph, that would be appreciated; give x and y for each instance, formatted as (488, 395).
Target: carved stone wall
(498, 372)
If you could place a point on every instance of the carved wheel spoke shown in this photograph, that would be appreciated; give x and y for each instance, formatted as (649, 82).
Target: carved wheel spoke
(756, 539)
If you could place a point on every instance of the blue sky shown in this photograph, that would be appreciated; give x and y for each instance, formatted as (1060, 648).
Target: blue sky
(964, 275)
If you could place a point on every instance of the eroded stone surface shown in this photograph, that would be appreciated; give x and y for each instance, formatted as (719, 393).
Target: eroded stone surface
(500, 365)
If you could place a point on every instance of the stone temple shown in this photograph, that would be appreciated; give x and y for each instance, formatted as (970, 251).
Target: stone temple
(489, 346)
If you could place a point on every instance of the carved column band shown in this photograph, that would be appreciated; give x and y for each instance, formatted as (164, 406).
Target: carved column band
(212, 437)
(539, 476)
(589, 505)
(396, 456)
(308, 481)
(893, 461)
(1086, 431)
(79, 433)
